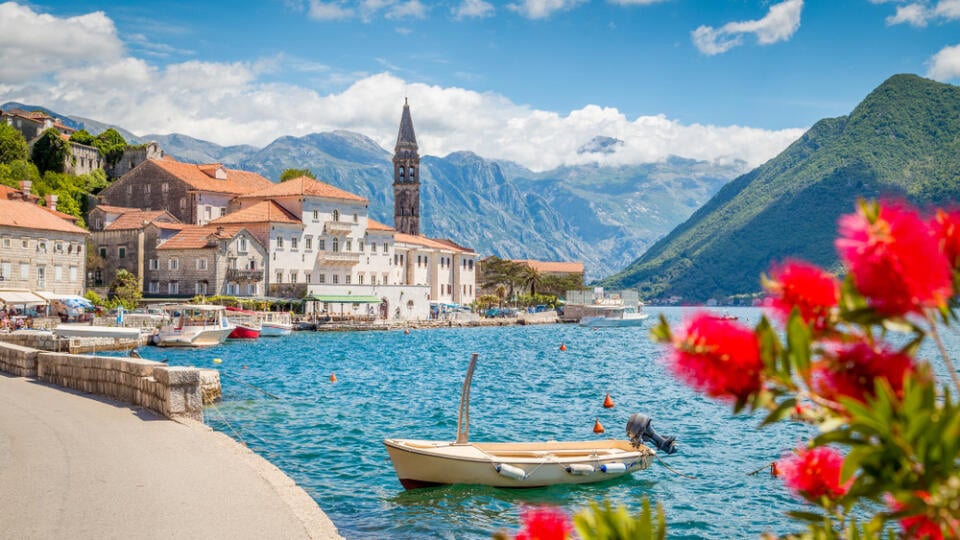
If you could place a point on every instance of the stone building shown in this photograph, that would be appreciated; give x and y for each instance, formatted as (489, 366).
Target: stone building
(83, 159)
(195, 194)
(39, 250)
(406, 177)
(133, 156)
(208, 260)
(32, 124)
(126, 238)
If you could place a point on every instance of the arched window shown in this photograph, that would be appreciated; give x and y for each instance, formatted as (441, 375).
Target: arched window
(336, 245)
(336, 216)
(413, 173)
(402, 173)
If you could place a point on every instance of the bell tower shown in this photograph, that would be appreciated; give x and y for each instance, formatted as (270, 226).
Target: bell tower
(406, 177)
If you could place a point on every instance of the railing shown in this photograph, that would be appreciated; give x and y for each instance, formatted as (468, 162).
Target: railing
(338, 226)
(234, 274)
(338, 258)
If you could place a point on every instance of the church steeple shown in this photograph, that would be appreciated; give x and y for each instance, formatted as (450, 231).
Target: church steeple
(406, 177)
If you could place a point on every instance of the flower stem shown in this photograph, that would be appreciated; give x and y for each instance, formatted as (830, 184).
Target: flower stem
(943, 352)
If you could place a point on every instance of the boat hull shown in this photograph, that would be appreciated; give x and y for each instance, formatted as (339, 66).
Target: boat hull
(203, 338)
(522, 465)
(613, 322)
(275, 329)
(243, 331)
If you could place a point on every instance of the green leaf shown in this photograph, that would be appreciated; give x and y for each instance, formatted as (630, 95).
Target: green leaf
(782, 411)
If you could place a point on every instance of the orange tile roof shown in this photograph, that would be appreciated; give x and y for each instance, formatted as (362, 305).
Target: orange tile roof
(27, 215)
(6, 191)
(374, 225)
(428, 242)
(114, 209)
(304, 186)
(261, 212)
(136, 219)
(61, 215)
(236, 182)
(555, 267)
(196, 236)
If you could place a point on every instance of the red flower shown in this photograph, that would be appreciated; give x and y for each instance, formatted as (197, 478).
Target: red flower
(544, 524)
(946, 226)
(895, 259)
(852, 370)
(801, 285)
(718, 357)
(921, 526)
(814, 473)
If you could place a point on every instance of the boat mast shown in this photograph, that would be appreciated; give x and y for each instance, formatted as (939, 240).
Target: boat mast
(463, 419)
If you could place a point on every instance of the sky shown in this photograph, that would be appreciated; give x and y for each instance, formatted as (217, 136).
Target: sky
(530, 81)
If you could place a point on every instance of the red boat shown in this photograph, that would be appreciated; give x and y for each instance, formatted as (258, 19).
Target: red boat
(248, 323)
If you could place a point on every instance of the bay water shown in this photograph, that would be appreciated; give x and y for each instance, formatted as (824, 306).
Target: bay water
(278, 398)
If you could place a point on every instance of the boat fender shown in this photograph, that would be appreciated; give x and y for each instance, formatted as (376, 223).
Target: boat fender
(580, 469)
(511, 472)
(613, 468)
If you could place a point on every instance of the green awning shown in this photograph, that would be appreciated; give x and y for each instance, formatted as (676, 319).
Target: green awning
(344, 298)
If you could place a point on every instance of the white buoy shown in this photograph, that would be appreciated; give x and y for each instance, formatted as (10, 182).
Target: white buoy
(511, 472)
(580, 469)
(613, 468)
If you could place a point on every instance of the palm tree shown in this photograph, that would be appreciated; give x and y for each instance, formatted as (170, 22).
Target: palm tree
(531, 278)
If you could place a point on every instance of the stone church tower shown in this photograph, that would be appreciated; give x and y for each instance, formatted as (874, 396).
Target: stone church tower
(406, 177)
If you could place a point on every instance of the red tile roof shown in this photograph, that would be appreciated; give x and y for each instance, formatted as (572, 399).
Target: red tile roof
(555, 267)
(261, 212)
(428, 242)
(114, 209)
(374, 225)
(236, 182)
(304, 186)
(135, 219)
(196, 236)
(27, 215)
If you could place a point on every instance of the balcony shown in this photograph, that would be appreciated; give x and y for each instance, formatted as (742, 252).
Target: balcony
(334, 227)
(237, 275)
(338, 258)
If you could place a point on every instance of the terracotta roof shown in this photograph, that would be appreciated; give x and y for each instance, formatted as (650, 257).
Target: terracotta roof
(135, 219)
(114, 209)
(555, 267)
(196, 236)
(428, 242)
(27, 215)
(6, 191)
(374, 225)
(61, 215)
(304, 186)
(261, 212)
(236, 182)
(170, 226)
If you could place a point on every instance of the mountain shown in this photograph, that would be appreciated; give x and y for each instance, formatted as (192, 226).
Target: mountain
(602, 216)
(902, 140)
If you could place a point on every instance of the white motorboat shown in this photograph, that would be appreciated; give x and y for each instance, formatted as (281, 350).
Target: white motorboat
(275, 323)
(194, 326)
(420, 463)
(615, 319)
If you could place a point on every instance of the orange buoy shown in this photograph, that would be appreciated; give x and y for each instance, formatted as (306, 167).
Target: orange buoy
(607, 402)
(774, 470)
(244, 366)
(333, 377)
(598, 427)
(563, 347)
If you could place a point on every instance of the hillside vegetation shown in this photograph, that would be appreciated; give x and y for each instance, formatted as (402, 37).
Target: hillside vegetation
(902, 141)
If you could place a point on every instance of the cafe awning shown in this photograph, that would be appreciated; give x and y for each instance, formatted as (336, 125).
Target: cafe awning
(344, 298)
(16, 298)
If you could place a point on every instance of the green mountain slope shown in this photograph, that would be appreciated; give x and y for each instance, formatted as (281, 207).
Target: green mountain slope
(902, 141)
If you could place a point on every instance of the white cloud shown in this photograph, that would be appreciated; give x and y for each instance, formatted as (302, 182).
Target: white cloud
(921, 13)
(780, 23)
(541, 9)
(945, 65)
(328, 11)
(231, 103)
(473, 9)
(636, 2)
(409, 9)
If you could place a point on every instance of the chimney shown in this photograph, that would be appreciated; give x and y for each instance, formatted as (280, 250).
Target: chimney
(52, 201)
(25, 188)
(220, 230)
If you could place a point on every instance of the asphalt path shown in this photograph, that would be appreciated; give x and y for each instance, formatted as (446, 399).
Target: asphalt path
(76, 466)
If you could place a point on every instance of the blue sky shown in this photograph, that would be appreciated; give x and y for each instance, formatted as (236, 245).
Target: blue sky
(529, 80)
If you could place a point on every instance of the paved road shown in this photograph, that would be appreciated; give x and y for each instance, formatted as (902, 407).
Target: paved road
(75, 466)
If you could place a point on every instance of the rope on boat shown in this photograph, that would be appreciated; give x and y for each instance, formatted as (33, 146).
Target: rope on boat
(268, 394)
(674, 471)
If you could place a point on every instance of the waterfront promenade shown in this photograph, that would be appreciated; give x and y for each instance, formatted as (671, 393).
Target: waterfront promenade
(77, 466)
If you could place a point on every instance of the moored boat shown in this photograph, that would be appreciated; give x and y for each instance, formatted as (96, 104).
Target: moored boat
(275, 323)
(247, 323)
(194, 326)
(420, 463)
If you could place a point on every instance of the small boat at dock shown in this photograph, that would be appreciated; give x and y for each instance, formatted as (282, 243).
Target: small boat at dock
(247, 323)
(194, 325)
(420, 463)
(275, 323)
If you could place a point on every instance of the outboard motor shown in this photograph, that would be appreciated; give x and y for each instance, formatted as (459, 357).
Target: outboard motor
(640, 430)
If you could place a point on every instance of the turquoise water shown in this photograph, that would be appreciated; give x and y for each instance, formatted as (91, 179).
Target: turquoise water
(328, 436)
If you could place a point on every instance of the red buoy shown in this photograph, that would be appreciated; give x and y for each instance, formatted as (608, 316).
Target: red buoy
(607, 402)
(774, 470)
(563, 347)
(333, 377)
(598, 427)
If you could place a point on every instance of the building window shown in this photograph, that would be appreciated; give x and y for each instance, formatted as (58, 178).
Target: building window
(373, 247)
(251, 289)
(279, 242)
(153, 264)
(200, 288)
(308, 243)
(279, 276)
(202, 264)
(321, 244)
(293, 243)
(42, 246)
(41, 276)
(122, 252)
(322, 278)
(173, 287)
(243, 245)
(360, 245)
(73, 273)
(24, 271)
(349, 246)
(6, 270)
(183, 203)
(6, 242)
(346, 279)
(146, 189)
(360, 279)
(316, 216)
(356, 218)
(307, 276)
(58, 247)
(336, 215)
(129, 189)
(173, 264)
(386, 279)
(154, 287)
(385, 246)
(165, 187)
(470, 264)
(293, 276)
(103, 253)
(336, 245)
(336, 279)
(206, 212)
(58, 273)
(223, 212)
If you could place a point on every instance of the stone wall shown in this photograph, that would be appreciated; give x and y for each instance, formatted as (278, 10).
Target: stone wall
(45, 341)
(174, 392)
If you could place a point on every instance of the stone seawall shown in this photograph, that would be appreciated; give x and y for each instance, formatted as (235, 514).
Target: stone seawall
(45, 341)
(174, 392)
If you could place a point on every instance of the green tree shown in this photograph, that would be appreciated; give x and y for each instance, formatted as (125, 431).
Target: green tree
(125, 290)
(290, 174)
(496, 271)
(50, 151)
(82, 137)
(531, 279)
(13, 146)
(111, 145)
(12, 173)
